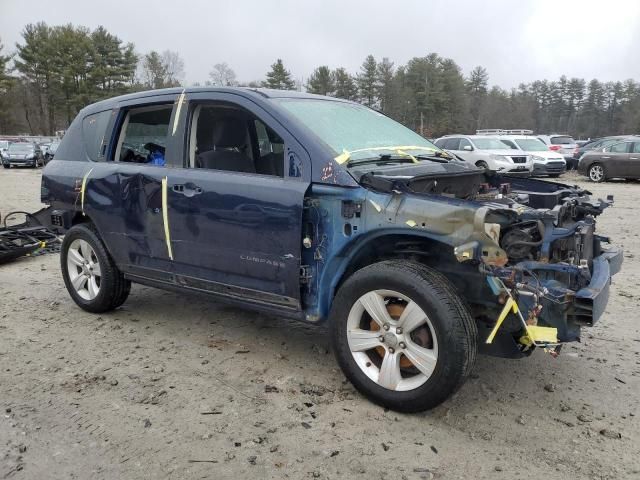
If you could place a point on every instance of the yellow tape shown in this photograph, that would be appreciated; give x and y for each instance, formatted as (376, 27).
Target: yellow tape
(345, 155)
(177, 117)
(165, 218)
(83, 188)
(542, 334)
(510, 304)
(401, 152)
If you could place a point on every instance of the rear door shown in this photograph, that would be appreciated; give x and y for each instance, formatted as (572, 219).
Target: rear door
(634, 160)
(235, 206)
(615, 159)
(124, 186)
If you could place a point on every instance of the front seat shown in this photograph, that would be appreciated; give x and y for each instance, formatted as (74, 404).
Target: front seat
(228, 146)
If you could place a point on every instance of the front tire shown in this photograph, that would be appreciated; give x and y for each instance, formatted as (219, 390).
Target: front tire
(402, 335)
(90, 274)
(482, 164)
(596, 173)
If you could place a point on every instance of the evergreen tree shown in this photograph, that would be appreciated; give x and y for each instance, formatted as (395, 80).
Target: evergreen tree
(384, 85)
(345, 85)
(367, 81)
(279, 77)
(477, 90)
(322, 81)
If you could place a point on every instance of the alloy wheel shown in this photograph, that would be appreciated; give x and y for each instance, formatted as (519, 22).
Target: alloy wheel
(392, 340)
(596, 173)
(84, 269)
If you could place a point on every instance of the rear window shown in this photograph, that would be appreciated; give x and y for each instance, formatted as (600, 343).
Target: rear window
(563, 140)
(94, 128)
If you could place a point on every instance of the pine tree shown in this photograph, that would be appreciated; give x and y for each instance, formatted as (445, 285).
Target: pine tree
(279, 77)
(384, 84)
(322, 81)
(345, 85)
(367, 81)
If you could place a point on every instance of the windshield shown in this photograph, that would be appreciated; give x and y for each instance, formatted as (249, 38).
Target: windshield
(531, 145)
(489, 144)
(20, 147)
(355, 129)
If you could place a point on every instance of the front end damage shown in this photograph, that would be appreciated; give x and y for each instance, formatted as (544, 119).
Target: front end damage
(530, 263)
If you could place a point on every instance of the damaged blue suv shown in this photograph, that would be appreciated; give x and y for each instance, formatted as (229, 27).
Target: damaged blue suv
(317, 209)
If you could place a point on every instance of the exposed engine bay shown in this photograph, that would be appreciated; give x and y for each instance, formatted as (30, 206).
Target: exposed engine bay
(555, 275)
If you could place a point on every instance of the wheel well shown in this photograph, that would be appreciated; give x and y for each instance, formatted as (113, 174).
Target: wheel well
(432, 253)
(79, 217)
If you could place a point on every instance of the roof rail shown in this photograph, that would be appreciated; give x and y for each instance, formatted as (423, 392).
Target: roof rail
(491, 131)
(519, 131)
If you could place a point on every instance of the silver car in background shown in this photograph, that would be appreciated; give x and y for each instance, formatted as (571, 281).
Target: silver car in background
(563, 144)
(487, 152)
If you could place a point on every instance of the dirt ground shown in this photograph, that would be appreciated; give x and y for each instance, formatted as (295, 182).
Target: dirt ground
(174, 386)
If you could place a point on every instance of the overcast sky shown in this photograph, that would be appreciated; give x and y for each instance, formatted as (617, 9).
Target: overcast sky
(516, 40)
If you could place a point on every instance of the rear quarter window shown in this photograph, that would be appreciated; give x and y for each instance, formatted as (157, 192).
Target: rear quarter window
(94, 129)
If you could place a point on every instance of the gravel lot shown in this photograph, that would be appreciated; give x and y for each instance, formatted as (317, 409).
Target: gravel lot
(174, 386)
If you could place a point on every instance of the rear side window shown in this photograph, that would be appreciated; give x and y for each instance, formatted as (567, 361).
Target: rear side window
(452, 144)
(440, 143)
(563, 140)
(94, 128)
(143, 135)
(509, 143)
(636, 147)
(619, 147)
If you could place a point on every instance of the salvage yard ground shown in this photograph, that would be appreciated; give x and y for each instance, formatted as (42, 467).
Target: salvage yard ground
(175, 386)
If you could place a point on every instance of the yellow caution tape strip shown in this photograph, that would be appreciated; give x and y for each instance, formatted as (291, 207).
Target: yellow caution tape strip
(346, 155)
(509, 305)
(165, 218)
(177, 117)
(83, 188)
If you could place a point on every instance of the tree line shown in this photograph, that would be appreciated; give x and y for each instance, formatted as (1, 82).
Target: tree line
(56, 70)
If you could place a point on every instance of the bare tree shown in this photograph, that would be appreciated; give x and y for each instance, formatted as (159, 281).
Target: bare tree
(174, 67)
(222, 75)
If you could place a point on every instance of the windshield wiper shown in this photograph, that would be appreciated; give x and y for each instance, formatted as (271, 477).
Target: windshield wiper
(382, 158)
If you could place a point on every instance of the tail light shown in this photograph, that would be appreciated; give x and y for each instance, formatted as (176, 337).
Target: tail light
(554, 148)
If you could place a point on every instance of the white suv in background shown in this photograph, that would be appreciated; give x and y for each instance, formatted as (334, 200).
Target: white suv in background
(545, 161)
(564, 145)
(488, 152)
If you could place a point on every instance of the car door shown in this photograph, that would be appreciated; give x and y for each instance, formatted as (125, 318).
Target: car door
(634, 160)
(123, 186)
(235, 210)
(615, 159)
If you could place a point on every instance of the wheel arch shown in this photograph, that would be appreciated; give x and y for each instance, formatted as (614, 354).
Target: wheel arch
(423, 247)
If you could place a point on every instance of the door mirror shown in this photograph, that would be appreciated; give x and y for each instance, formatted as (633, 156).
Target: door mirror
(468, 148)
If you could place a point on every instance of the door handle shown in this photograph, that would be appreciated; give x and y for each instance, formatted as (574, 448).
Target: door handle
(187, 189)
(603, 157)
(633, 158)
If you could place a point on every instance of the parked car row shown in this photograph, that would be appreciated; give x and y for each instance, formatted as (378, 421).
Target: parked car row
(26, 154)
(619, 158)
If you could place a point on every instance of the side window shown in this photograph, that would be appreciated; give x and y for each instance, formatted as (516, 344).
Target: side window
(452, 144)
(636, 147)
(619, 147)
(234, 140)
(465, 143)
(143, 135)
(440, 143)
(93, 131)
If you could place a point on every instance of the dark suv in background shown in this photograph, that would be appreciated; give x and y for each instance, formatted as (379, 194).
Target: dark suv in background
(317, 208)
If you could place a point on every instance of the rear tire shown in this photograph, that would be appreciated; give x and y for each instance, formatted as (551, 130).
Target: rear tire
(596, 173)
(410, 360)
(90, 274)
(6, 165)
(482, 164)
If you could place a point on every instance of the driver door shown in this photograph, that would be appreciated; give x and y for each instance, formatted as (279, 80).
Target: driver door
(235, 209)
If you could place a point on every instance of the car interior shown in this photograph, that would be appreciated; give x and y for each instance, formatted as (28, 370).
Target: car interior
(231, 139)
